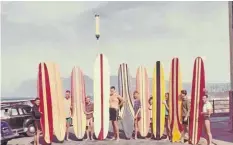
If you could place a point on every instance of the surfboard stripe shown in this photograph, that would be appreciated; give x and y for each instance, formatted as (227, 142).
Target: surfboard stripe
(130, 101)
(101, 136)
(178, 89)
(40, 95)
(158, 99)
(49, 102)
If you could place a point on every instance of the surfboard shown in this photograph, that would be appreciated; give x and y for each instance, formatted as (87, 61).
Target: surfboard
(126, 113)
(158, 108)
(198, 85)
(142, 86)
(101, 96)
(59, 121)
(78, 102)
(44, 93)
(175, 101)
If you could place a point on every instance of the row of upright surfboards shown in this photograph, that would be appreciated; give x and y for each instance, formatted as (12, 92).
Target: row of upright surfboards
(52, 106)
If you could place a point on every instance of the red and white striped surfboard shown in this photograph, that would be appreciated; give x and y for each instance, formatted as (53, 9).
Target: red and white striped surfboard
(175, 101)
(142, 86)
(44, 93)
(198, 85)
(101, 96)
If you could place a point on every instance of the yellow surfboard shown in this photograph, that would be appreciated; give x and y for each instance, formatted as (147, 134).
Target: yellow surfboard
(158, 108)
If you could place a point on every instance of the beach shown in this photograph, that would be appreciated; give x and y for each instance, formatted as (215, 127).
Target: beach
(220, 129)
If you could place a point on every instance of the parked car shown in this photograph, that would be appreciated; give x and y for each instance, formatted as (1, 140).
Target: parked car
(19, 117)
(6, 133)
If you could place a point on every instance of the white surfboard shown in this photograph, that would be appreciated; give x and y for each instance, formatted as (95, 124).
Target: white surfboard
(78, 102)
(59, 122)
(101, 97)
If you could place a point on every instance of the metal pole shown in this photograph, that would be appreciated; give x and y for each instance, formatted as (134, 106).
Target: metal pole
(230, 6)
(97, 28)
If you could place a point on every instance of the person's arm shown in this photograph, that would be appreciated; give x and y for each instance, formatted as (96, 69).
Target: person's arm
(188, 107)
(92, 110)
(165, 103)
(209, 110)
(121, 100)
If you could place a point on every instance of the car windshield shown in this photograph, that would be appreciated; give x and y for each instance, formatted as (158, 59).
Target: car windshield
(4, 113)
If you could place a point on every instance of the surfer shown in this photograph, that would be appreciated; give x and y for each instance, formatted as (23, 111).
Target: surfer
(137, 112)
(150, 110)
(115, 101)
(167, 128)
(68, 107)
(185, 113)
(36, 116)
(89, 116)
(207, 110)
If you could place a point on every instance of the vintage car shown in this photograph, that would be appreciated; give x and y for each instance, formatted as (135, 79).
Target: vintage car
(6, 133)
(19, 118)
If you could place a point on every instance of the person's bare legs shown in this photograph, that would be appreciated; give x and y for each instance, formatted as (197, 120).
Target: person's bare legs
(167, 128)
(92, 129)
(67, 130)
(135, 129)
(35, 138)
(208, 132)
(183, 133)
(116, 130)
(38, 137)
(87, 129)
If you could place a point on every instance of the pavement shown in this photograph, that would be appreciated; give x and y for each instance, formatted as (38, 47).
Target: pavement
(220, 130)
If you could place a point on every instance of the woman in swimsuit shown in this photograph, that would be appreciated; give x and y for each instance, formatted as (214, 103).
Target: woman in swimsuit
(137, 112)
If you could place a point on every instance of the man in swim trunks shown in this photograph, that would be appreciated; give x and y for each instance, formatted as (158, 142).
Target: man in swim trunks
(186, 104)
(115, 101)
(89, 116)
(68, 107)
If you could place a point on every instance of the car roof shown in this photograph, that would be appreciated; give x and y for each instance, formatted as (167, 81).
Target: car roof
(4, 106)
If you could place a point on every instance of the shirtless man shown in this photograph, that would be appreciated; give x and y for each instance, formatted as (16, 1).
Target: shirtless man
(115, 101)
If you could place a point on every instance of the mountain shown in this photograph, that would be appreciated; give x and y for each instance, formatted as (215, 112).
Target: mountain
(28, 88)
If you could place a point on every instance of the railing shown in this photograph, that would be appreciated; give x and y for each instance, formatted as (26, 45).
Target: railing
(221, 107)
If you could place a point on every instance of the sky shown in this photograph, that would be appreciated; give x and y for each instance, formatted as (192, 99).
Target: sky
(137, 33)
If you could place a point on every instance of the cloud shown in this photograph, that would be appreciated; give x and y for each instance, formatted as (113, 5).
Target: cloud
(132, 32)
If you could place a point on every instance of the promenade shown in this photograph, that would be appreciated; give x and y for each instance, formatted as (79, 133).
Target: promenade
(220, 129)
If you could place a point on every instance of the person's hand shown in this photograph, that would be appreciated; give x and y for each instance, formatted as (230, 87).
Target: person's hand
(186, 118)
(164, 102)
